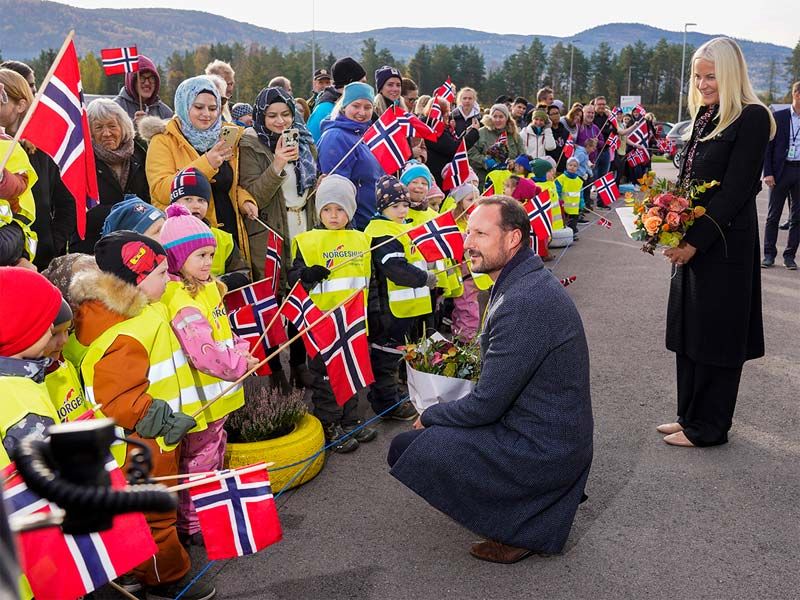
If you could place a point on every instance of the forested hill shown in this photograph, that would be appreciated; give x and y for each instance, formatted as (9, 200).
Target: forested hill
(28, 26)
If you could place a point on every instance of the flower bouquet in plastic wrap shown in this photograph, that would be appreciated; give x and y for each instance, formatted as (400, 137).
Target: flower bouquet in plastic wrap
(439, 370)
(666, 211)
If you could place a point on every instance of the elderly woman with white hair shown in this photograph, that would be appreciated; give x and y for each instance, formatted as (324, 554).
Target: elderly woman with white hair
(119, 163)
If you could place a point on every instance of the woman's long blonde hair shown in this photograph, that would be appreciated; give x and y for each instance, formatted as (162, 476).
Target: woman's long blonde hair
(733, 84)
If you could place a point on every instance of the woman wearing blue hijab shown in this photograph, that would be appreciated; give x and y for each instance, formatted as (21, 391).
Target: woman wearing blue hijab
(191, 138)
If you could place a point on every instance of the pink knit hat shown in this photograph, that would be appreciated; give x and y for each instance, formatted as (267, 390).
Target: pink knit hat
(182, 234)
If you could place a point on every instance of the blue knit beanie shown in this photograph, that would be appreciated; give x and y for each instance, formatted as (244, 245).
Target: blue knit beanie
(413, 170)
(523, 161)
(357, 91)
(132, 214)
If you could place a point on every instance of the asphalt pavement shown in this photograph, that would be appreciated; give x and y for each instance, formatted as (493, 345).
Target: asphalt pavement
(660, 522)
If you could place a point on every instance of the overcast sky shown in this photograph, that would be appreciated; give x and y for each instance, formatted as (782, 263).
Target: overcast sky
(777, 23)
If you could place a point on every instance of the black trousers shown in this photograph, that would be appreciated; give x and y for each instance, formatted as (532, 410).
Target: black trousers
(325, 407)
(788, 184)
(384, 392)
(400, 444)
(706, 400)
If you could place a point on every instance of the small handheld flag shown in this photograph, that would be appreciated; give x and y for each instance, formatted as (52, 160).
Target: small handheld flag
(118, 61)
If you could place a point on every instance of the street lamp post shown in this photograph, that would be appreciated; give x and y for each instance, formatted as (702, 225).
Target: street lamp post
(313, 39)
(571, 59)
(683, 68)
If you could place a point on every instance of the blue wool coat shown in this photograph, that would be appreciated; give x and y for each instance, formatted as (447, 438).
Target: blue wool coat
(361, 167)
(510, 461)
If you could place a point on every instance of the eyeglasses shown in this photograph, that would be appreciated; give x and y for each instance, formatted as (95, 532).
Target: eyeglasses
(147, 78)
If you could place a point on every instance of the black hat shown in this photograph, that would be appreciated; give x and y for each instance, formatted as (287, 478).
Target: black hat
(503, 99)
(128, 255)
(384, 74)
(346, 70)
(322, 74)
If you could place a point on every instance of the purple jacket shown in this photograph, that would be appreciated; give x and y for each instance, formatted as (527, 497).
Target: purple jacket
(590, 131)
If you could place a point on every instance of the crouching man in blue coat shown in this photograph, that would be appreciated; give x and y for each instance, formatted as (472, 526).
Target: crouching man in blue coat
(510, 461)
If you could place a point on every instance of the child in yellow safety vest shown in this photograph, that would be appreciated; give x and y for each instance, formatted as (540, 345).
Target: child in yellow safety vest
(316, 255)
(29, 304)
(194, 302)
(571, 187)
(191, 189)
(135, 370)
(399, 294)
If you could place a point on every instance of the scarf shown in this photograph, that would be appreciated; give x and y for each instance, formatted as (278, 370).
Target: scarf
(185, 95)
(119, 160)
(306, 166)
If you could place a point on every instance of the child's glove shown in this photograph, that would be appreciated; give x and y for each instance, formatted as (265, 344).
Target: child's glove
(161, 420)
(431, 283)
(314, 274)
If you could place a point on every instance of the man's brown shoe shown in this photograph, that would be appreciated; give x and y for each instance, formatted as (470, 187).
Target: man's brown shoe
(498, 553)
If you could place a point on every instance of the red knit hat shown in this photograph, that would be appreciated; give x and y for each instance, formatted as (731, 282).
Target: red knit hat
(29, 304)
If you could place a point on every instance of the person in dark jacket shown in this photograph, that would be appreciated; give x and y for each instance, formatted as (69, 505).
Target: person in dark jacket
(714, 321)
(560, 135)
(119, 161)
(139, 96)
(344, 71)
(445, 147)
(466, 113)
(55, 207)
(510, 460)
(340, 134)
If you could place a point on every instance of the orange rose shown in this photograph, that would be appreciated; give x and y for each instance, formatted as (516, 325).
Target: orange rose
(651, 224)
(665, 227)
(654, 212)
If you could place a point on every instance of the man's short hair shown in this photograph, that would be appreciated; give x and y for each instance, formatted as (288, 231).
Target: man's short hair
(407, 85)
(603, 98)
(796, 87)
(543, 93)
(521, 100)
(512, 216)
(281, 82)
(219, 67)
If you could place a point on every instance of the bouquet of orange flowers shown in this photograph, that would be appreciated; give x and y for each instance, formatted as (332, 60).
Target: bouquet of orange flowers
(666, 212)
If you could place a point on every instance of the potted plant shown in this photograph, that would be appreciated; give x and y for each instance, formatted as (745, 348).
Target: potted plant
(274, 427)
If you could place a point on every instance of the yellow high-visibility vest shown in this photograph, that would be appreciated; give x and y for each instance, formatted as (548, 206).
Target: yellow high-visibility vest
(66, 393)
(403, 301)
(330, 248)
(555, 207)
(169, 373)
(209, 302)
(224, 249)
(571, 193)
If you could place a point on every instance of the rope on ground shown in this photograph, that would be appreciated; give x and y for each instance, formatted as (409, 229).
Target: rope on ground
(310, 461)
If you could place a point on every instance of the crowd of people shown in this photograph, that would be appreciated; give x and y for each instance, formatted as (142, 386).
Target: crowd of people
(187, 201)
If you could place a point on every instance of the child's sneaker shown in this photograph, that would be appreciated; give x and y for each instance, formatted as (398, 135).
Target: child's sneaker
(363, 434)
(334, 434)
(200, 590)
(404, 412)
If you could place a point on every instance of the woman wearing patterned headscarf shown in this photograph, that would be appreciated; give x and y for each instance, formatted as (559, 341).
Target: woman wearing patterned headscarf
(191, 138)
(279, 177)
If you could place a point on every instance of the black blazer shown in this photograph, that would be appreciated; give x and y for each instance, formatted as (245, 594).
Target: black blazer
(111, 193)
(778, 147)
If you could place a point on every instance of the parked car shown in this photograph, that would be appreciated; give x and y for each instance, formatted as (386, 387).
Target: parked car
(677, 131)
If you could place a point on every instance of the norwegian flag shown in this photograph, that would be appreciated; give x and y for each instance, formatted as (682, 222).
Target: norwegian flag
(300, 311)
(569, 147)
(237, 514)
(640, 108)
(502, 138)
(273, 259)
(565, 281)
(416, 127)
(612, 121)
(539, 214)
(639, 135)
(58, 565)
(342, 341)
(616, 111)
(439, 238)
(59, 127)
(640, 156)
(387, 139)
(603, 222)
(456, 171)
(245, 324)
(489, 191)
(607, 189)
(435, 116)
(666, 146)
(447, 91)
(613, 142)
(118, 61)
